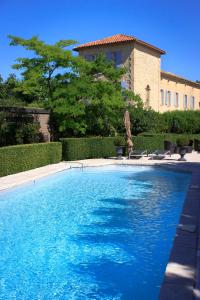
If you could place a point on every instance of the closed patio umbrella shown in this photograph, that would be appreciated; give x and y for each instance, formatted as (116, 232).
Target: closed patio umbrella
(127, 125)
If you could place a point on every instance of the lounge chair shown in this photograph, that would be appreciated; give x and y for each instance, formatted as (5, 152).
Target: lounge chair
(137, 154)
(159, 154)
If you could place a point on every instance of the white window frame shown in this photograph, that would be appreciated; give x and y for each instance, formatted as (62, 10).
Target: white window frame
(192, 102)
(169, 98)
(176, 99)
(185, 101)
(166, 98)
(162, 96)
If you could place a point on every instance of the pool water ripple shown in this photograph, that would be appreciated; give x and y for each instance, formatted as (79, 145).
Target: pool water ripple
(104, 233)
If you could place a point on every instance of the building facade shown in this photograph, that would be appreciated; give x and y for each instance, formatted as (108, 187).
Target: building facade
(162, 91)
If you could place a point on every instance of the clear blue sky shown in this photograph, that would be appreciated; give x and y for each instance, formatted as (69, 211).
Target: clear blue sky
(172, 25)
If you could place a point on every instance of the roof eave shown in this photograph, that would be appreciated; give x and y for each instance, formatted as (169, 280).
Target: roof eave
(174, 76)
(82, 47)
(122, 42)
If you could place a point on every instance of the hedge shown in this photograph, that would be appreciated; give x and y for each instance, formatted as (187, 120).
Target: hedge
(82, 148)
(99, 147)
(151, 142)
(14, 159)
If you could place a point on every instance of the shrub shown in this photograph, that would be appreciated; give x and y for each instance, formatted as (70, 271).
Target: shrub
(82, 148)
(182, 122)
(179, 122)
(18, 128)
(20, 158)
(28, 133)
(151, 142)
(119, 141)
(182, 141)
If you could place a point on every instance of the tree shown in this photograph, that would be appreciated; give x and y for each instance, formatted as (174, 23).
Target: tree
(92, 92)
(39, 72)
(85, 97)
(9, 94)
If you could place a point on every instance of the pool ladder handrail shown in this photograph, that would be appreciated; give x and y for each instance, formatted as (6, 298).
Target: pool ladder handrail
(80, 163)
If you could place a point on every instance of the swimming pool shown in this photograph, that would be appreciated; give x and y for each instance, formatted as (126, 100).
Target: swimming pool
(100, 233)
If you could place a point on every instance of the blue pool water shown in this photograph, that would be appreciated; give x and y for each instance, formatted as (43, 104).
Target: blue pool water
(104, 233)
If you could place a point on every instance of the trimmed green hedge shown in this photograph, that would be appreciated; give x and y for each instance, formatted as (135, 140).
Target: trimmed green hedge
(151, 142)
(99, 147)
(82, 148)
(148, 143)
(14, 159)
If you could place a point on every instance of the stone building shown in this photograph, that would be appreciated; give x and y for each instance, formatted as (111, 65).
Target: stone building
(162, 91)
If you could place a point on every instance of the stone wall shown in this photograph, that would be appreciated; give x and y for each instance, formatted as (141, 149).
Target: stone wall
(146, 75)
(126, 50)
(39, 115)
(174, 84)
(142, 65)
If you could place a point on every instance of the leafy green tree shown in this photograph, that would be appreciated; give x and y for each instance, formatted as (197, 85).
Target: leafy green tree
(9, 94)
(40, 71)
(2, 92)
(86, 98)
(182, 121)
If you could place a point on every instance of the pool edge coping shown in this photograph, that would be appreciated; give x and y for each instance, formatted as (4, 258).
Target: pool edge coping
(182, 280)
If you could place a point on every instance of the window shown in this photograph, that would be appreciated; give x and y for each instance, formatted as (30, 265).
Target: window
(162, 96)
(109, 56)
(169, 98)
(90, 57)
(192, 102)
(185, 101)
(176, 99)
(124, 84)
(116, 57)
(166, 98)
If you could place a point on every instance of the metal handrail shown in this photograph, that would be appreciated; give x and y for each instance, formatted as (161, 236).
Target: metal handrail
(80, 163)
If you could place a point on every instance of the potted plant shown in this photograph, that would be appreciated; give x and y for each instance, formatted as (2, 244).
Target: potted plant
(119, 143)
(182, 144)
(197, 145)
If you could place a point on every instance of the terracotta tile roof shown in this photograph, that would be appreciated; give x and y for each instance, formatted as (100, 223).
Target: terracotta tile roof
(115, 39)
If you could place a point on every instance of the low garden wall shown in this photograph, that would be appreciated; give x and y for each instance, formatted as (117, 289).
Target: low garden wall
(14, 159)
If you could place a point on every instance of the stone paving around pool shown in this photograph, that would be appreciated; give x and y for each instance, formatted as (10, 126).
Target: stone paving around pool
(182, 276)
